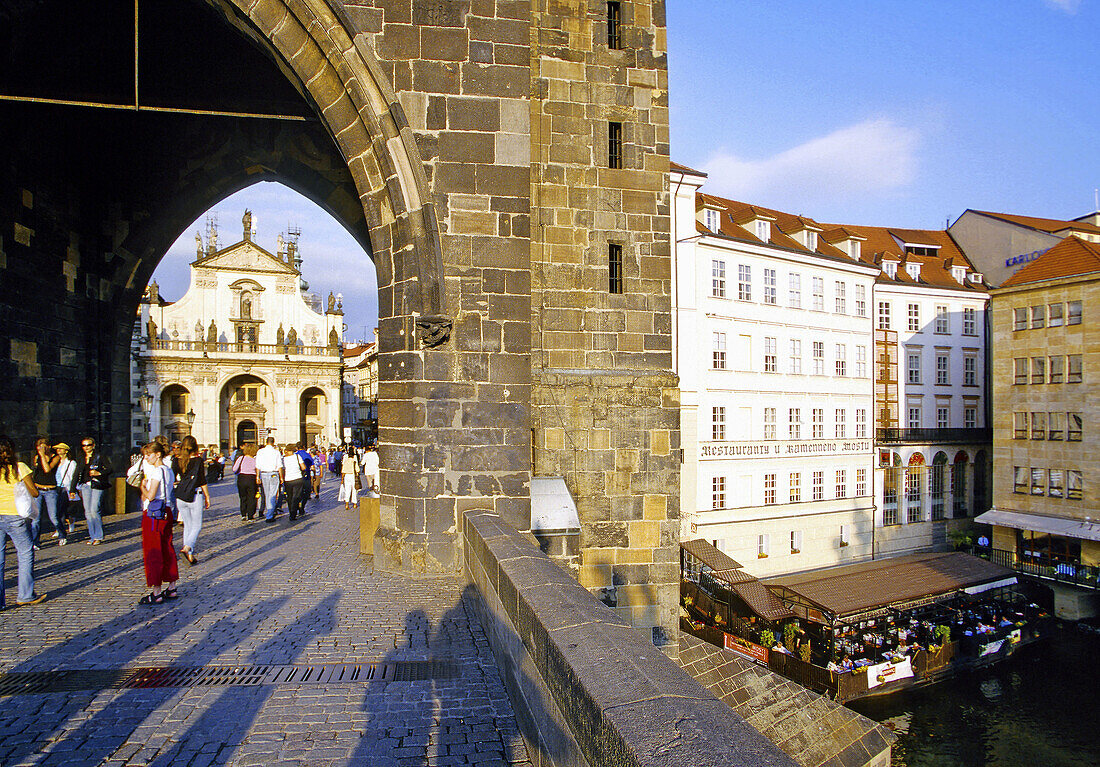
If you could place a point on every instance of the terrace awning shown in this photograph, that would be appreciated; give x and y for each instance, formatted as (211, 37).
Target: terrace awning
(1039, 523)
(705, 552)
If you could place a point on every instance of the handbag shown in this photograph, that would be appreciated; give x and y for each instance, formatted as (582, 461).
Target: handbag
(157, 509)
(24, 507)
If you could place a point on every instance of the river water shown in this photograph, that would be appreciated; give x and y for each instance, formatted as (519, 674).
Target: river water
(1039, 708)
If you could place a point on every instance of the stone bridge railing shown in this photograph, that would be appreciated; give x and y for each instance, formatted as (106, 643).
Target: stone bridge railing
(586, 687)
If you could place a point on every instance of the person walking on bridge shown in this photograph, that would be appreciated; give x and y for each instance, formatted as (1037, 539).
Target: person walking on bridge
(14, 473)
(269, 460)
(94, 480)
(157, 517)
(46, 461)
(192, 494)
(245, 468)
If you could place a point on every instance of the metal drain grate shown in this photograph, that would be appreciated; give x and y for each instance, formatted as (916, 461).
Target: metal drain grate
(29, 682)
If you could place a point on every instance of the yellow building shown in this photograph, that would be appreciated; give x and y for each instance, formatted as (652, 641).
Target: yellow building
(1046, 374)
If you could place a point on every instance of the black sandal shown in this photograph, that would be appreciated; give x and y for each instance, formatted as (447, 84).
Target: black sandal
(152, 599)
(170, 594)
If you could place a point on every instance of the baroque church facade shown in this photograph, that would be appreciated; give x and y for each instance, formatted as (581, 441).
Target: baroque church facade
(246, 353)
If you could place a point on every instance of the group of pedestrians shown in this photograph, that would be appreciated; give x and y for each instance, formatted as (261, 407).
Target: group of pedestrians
(54, 488)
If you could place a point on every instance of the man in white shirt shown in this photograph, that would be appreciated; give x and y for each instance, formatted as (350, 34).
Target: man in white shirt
(268, 463)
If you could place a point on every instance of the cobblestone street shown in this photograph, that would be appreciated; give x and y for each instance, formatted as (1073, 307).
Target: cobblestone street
(285, 594)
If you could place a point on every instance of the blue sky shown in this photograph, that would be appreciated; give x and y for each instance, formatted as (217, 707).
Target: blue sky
(876, 113)
(889, 113)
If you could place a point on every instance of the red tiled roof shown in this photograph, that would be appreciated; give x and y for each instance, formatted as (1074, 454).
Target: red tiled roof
(1070, 257)
(676, 167)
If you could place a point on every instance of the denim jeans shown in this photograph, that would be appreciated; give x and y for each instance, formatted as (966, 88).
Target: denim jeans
(189, 514)
(93, 502)
(270, 482)
(15, 527)
(50, 499)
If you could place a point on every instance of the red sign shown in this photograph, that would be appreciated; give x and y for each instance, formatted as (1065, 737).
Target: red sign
(747, 649)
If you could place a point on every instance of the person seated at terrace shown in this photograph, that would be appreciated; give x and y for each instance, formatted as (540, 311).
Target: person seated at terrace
(780, 648)
(847, 663)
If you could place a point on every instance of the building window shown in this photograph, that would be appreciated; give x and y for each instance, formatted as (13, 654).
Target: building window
(712, 220)
(794, 425)
(1054, 488)
(1020, 476)
(841, 423)
(1019, 318)
(769, 489)
(718, 423)
(1019, 425)
(845, 534)
(614, 145)
(796, 356)
(861, 423)
(769, 423)
(1020, 368)
(913, 511)
(1054, 315)
(718, 493)
(796, 541)
(1038, 481)
(718, 354)
(796, 487)
(614, 24)
(1074, 427)
(861, 482)
(769, 355)
(969, 328)
(841, 361)
(744, 282)
(819, 358)
(769, 286)
(1074, 368)
(819, 485)
(1056, 371)
(912, 368)
(819, 294)
(891, 479)
(614, 267)
(794, 290)
(883, 315)
(1038, 370)
(942, 369)
(841, 483)
(943, 324)
(943, 417)
(1056, 426)
(1074, 485)
(861, 362)
(1038, 425)
(970, 371)
(841, 298)
(1038, 316)
(818, 425)
(763, 545)
(861, 300)
(914, 317)
(763, 230)
(1073, 312)
(811, 241)
(914, 417)
(718, 278)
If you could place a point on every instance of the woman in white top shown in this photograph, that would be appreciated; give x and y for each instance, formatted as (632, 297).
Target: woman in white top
(294, 482)
(157, 516)
(349, 470)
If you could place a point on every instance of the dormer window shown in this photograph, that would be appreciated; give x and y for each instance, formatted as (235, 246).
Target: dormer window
(913, 270)
(890, 268)
(811, 240)
(854, 250)
(712, 219)
(977, 278)
(763, 230)
(959, 274)
(921, 250)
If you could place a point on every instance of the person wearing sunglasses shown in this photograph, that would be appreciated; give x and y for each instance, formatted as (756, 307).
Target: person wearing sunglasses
(94, 480)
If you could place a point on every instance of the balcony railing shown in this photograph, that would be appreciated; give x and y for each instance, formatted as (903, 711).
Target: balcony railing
(244, 347)
(1048, 568)
(968, 436)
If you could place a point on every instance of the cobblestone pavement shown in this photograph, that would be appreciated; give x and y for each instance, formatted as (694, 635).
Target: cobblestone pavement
(282, 593)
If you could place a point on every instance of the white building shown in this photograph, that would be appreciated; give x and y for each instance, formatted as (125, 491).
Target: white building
(241, 355)
(360, 405)
(932, 430)
(773, 341)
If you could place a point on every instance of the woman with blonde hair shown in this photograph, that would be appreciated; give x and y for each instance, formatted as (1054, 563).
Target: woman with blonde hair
(16, 476)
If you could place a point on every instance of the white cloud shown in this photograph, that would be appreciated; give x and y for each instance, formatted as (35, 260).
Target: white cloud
(855, 163)
(1068, 6)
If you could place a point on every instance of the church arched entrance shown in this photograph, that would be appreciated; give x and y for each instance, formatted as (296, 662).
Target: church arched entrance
(244, 403)
(313, 414)
(247, 432)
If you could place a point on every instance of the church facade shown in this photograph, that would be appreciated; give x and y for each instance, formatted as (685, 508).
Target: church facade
(243, 354)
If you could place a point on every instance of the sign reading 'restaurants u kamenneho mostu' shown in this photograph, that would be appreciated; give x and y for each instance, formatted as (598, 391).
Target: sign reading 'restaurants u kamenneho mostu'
(713, 451)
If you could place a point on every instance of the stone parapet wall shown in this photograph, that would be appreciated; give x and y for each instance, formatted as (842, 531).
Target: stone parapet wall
(586, 687)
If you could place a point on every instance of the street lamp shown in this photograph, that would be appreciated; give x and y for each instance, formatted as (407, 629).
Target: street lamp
(145, 402)
(190, 417)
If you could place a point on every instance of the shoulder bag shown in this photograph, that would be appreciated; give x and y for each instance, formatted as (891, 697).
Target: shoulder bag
(23, 505)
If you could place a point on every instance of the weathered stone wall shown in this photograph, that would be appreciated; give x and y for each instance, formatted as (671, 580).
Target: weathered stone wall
(604, 405)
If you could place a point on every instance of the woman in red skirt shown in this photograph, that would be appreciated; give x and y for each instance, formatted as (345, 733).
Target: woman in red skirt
(157, 517)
